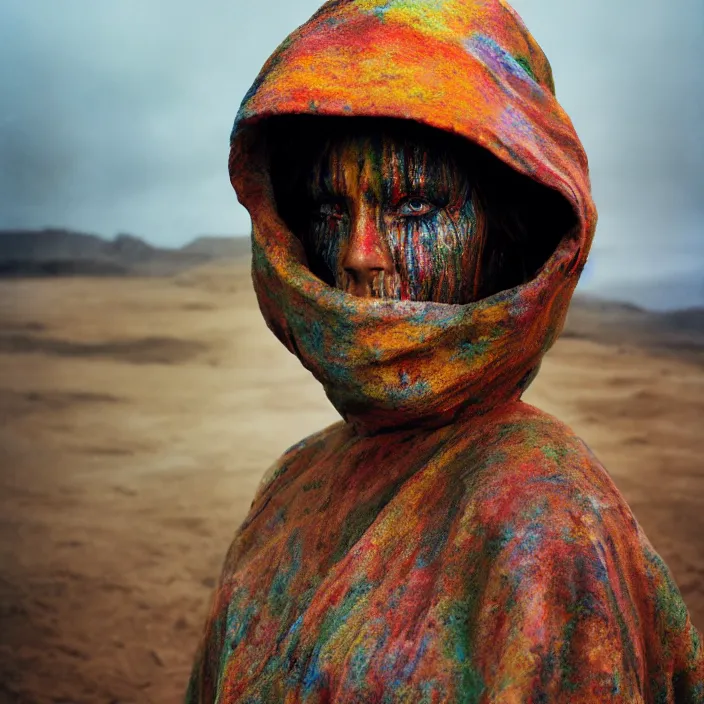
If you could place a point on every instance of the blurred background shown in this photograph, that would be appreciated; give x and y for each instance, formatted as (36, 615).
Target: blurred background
(141, 397)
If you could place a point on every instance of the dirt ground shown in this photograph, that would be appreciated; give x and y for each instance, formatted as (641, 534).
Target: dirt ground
(136, 418)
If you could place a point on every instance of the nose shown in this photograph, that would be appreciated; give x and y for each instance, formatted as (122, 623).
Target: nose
(367, 259)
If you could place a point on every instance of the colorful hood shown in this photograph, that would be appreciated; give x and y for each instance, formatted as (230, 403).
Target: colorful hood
(467, 67)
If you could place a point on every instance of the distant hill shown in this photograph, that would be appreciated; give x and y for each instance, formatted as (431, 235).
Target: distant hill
(219, 247)
(680, 331)
(56, 252)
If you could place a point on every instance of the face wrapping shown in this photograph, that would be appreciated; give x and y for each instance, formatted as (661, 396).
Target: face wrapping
(393, 218)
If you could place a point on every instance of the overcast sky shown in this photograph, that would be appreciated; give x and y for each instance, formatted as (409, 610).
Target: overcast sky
(115, 117)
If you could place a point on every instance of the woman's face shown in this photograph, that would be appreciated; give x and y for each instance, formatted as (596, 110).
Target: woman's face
(392, 218)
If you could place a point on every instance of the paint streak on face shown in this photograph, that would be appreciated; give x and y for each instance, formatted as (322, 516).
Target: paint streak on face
(391, 218)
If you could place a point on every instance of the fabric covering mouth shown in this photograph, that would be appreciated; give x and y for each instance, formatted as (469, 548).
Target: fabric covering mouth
(466, 70)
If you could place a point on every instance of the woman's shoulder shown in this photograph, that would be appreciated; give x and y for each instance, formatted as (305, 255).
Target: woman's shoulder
(559, 540)
(527, 470)
(297, 457)
(529, 453)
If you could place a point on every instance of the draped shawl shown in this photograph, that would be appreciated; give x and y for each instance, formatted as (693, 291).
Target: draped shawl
(445, 541)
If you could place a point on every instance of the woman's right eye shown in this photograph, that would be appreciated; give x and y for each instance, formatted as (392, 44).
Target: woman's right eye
(325, 211)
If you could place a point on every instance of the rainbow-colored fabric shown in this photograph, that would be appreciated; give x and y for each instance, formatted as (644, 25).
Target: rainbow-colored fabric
(446, 542)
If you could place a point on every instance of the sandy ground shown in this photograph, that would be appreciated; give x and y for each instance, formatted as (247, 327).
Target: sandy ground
(136, 418)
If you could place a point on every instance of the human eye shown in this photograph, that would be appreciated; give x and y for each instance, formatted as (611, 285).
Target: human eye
(416, 207)
(328, 210)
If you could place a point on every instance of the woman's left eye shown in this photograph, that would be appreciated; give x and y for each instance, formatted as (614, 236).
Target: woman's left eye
(416, 207)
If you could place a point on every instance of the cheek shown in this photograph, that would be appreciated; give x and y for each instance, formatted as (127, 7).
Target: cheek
(460, 227)
(415, 245)
(427, 243)
(434, 256)
(326, 240)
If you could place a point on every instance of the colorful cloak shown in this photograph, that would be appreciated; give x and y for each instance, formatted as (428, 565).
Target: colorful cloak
(446, 542)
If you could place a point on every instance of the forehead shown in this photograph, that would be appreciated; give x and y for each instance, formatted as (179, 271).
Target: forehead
(382, 147)
(370, 159)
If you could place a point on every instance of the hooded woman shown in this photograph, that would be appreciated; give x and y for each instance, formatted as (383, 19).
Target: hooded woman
(421, 213)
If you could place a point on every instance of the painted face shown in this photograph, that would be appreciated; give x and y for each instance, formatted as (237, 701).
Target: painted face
(394, 219)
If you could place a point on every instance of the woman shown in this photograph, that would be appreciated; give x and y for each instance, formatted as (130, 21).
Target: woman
(421, 213)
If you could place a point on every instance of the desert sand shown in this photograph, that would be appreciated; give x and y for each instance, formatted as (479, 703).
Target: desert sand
(137, 416)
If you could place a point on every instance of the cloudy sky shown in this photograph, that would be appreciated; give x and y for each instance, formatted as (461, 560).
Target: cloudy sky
(115, 117)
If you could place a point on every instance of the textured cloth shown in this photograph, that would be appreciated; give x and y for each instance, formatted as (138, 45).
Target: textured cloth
(446, 542)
